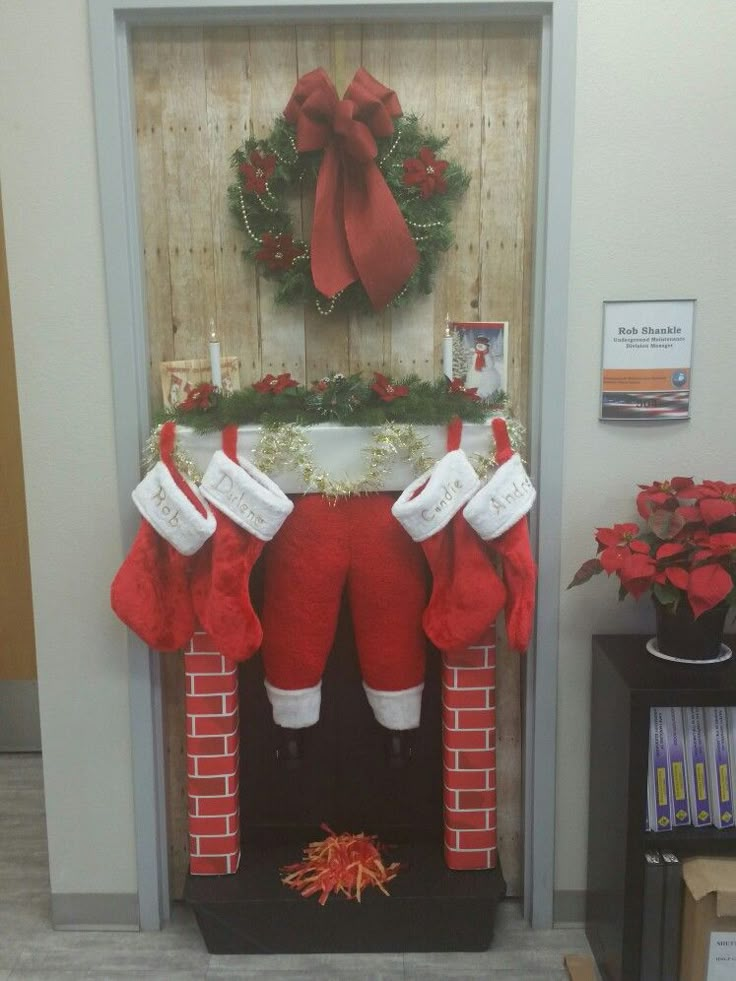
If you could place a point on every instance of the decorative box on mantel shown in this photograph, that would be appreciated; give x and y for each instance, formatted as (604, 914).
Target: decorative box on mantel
(254, 803)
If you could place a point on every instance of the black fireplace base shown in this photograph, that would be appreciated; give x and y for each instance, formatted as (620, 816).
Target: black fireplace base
(430, 908)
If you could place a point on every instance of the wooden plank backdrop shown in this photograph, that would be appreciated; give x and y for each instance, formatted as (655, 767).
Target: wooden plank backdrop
(198, 93)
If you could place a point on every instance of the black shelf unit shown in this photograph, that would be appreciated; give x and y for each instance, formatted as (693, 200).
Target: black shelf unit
(626, 682)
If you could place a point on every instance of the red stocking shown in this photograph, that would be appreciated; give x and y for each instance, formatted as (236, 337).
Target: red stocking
(467, 595)
(498, 514)
(250, 509)
(151, 590)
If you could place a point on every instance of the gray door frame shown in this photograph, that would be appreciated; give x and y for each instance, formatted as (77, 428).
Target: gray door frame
(110, 25)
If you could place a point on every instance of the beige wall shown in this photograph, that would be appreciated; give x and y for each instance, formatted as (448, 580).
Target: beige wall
(653, 216)
(54, 250)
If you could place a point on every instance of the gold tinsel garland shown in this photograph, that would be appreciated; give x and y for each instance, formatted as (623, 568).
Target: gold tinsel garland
(284, 446)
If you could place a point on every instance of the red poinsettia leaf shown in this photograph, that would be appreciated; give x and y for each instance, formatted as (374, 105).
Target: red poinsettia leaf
(639, 546)
(690, 513)
(707, 587)
(615, 535)
(644, 503)
(724, 541)
(669, 549)
(665, 524)
(678, 576)
(703, 555)
(636, 587)
(637, 573)
(586, 571)
(714, 510)
(681, 484)
(714, 489)
(607, 536)
(612, 558)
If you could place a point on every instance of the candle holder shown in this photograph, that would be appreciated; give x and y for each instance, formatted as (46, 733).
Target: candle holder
(215, 358)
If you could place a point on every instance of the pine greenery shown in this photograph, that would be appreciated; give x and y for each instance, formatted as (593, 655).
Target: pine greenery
(346, 399)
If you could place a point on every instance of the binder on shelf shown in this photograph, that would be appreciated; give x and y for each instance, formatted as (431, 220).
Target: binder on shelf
(675, 737)
(719, 766)
(651, 917)
(731, 712)
(671, 917)
(660, 816)
(695, 763)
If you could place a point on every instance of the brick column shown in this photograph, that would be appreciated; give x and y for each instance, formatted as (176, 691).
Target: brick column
(469, 755)
(213, 759)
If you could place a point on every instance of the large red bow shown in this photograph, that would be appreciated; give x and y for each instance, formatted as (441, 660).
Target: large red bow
(358, 231)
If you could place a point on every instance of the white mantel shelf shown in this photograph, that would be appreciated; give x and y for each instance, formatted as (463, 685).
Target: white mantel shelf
(340, 451)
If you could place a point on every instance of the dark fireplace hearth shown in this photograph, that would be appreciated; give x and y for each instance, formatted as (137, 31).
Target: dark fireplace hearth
(350, 774)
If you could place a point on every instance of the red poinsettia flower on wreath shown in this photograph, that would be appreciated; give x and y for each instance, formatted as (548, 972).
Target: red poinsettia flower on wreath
(425, 172)
(275, 384)
(200, 397)
(456, 387)
(385, 390)
(277, 251)
(257, 170)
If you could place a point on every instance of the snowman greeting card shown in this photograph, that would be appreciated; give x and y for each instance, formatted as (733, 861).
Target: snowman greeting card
(479, 355)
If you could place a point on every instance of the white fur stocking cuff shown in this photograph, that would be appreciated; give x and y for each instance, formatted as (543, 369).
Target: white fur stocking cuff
(449, 485)
(246, 495)
(170, 512)
(503, 501)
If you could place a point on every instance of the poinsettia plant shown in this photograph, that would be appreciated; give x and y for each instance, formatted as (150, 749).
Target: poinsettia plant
(684, 550)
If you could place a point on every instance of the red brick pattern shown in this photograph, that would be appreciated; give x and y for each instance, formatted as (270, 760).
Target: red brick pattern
(213, 759)
(469, 755)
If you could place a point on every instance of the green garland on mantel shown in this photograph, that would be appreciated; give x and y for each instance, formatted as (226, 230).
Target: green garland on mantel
(337, 398)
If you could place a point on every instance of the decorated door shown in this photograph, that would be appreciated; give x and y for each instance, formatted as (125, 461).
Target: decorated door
(199, 93)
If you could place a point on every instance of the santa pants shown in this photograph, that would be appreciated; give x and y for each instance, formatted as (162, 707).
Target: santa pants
(324, 547)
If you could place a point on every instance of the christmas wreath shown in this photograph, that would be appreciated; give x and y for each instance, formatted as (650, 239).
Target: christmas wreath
(382, 201)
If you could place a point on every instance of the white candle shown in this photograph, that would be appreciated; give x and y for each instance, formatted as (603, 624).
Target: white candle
(215, 366)
(447, 353)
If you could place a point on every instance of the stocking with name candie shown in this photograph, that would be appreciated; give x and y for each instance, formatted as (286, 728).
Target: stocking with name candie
(467, 594)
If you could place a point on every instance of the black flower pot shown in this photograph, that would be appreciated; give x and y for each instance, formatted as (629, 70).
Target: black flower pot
(682, 636)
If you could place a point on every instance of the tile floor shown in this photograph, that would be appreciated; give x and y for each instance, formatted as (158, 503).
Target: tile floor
(31, 951)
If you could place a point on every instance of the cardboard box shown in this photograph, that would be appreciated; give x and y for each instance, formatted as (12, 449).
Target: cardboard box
(709, 920)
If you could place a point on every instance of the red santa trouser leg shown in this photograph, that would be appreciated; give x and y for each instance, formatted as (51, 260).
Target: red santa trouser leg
(321, 547)
(387, 587)
(305, 569)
